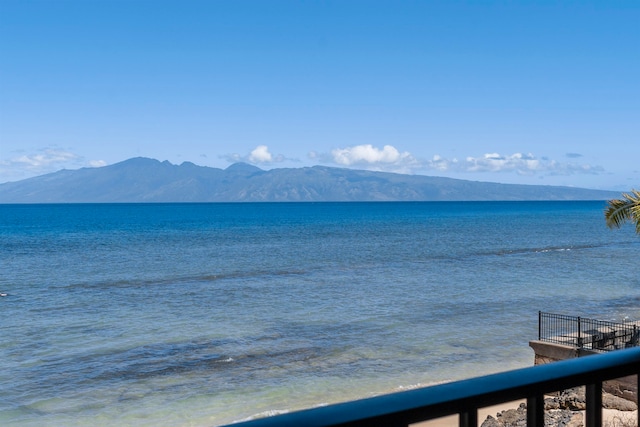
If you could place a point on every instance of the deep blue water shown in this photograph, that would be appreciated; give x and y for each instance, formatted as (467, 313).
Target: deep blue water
(202, 314)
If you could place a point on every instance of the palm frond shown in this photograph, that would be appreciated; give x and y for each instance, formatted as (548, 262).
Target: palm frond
(634, 198)
(619, 211)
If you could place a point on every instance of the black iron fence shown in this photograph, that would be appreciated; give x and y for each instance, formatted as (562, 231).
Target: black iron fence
(586, 333)
(464, 398)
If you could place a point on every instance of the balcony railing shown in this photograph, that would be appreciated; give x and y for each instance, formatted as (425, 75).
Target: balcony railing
(585, 333)
(465, 397)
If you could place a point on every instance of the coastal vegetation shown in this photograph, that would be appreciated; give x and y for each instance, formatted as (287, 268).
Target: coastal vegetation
(626, 209)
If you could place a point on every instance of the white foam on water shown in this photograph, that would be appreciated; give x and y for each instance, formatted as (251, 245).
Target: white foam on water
(264, 414)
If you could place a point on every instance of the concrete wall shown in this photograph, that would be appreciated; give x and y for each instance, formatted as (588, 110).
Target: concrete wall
(546, 352)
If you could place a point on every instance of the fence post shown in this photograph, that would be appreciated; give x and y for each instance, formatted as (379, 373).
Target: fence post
(539, 325)
(535, 411)
(594, 405)
(468, 418)
(579, 334)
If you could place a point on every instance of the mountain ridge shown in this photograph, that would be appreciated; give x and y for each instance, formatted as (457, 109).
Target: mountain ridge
(141, 179)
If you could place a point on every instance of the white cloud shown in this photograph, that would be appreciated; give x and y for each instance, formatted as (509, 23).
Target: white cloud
(46, 160)
(391, 159)
(260, 154)
(494, 162)
(388, 158)
(366, 153)
(233, 158)
(439, 163)
(519, 163)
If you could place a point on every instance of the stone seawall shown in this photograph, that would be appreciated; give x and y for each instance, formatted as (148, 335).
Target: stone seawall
(546, 352)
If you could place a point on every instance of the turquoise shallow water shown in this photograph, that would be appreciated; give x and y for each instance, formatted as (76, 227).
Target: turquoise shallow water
(203, 314)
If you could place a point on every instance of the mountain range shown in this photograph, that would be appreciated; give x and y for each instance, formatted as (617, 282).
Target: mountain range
(147, 180)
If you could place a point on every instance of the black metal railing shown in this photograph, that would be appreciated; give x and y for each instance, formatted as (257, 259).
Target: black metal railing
(464, 398)
(586, 333)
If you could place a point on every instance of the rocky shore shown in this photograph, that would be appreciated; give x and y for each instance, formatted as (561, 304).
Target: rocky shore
(566, 409)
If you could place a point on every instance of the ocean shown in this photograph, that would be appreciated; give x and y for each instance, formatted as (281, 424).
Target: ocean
(207, 314)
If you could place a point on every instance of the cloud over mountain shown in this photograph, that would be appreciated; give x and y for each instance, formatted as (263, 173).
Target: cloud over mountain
(519, 163)
(42, 161)
(390, 159)
(147, 180)
(261, 155)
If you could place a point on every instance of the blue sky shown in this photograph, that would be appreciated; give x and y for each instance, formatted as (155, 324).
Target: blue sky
(502, 91)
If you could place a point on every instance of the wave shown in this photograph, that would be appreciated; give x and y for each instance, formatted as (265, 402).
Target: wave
(264, 414)
(502, 252)
(184, 279)
(543, 249)
(356, 395)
